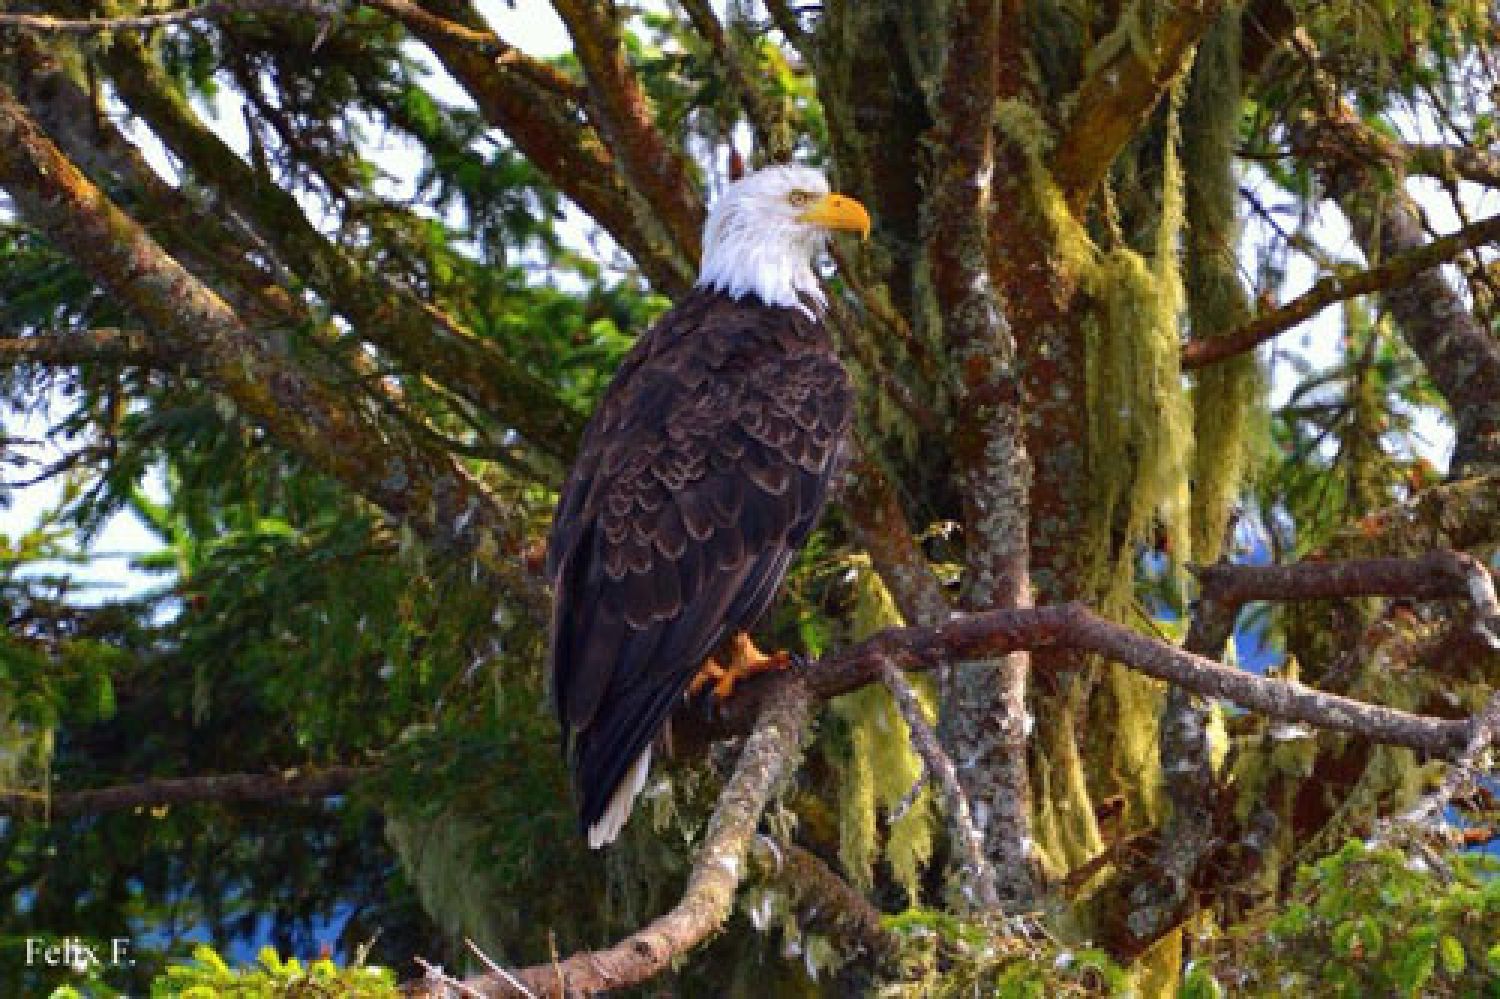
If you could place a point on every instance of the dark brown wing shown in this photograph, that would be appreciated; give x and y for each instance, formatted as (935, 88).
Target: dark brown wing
(701, 475)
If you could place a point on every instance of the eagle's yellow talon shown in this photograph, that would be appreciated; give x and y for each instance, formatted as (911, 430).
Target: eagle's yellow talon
(745, 661)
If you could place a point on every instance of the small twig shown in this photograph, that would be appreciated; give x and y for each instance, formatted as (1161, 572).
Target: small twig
(1482, 595)
(495, 968)
(1486, 726)
(147, 22)
(435, 974)
(978, 884)
(910, 797)
(1336, 288)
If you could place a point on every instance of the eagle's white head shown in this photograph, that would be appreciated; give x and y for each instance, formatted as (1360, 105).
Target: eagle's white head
(765, 230)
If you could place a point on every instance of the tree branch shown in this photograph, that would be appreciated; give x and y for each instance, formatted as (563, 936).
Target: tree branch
(1338, 288)
(1116, 98)
(772, 137)
(623, 114)
(1459, 353)
(706, 902)
(1074, 626)
(217, 788)
(217, 248)
(485, 43)
(382, 312)
(1433, 576)
(103, 345)
(1478, 166)
(47, 24)
(880, 526)
(828, 900)
(413, 484)
(780, 704)
(976, 878)
(984, 719)
(547, 128)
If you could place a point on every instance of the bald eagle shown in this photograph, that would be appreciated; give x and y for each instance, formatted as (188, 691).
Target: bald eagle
(700, 476)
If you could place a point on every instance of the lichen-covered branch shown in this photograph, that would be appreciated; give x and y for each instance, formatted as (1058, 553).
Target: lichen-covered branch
(1334, 288)
(1478, 166)
(1461, 514)
(1486, 733)
(622, 113)
(1459, 353)
(382, 312)
(102, 345)
(412, 483)
(218, 249)
(769, 753)
(49, 24)
(976, 879)
(831, 904)
(216, 788)
(984, 717)
(1074, 626)
(549, 129)
(1123, 87)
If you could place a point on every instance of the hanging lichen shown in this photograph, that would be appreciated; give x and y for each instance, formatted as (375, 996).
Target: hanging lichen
(442, 857)
(880, 767)
(1064, 826)
(1227, 397)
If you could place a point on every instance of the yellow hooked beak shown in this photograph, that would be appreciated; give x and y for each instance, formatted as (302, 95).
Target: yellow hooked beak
(835, 211)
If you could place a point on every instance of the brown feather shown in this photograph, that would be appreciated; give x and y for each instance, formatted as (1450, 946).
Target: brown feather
(702, 472)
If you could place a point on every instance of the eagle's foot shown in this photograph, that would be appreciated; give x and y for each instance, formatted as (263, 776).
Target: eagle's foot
(744, 662)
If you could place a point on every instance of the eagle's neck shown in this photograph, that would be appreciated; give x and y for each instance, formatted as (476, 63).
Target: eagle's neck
(772, 264)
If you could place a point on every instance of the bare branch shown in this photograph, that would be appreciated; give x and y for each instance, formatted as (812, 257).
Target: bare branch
(1115, 99)
(1433, 576)
(1338, 288)
(215, 788)
(47, 24)
(706, 902)
(976, 880)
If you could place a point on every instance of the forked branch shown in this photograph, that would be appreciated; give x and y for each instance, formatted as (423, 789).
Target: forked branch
(781, 706)
(706, 903)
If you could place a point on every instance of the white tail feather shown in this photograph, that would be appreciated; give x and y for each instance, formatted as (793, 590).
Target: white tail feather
(603, 832)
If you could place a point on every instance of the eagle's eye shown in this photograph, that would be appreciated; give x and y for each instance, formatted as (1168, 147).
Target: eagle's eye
(801, 199)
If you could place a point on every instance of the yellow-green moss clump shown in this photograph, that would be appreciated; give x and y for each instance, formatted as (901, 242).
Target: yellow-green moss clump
(880, 767)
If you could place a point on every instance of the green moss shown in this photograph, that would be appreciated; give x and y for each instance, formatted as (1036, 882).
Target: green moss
(1065, 827)
(881, 767)
(1227, 397)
